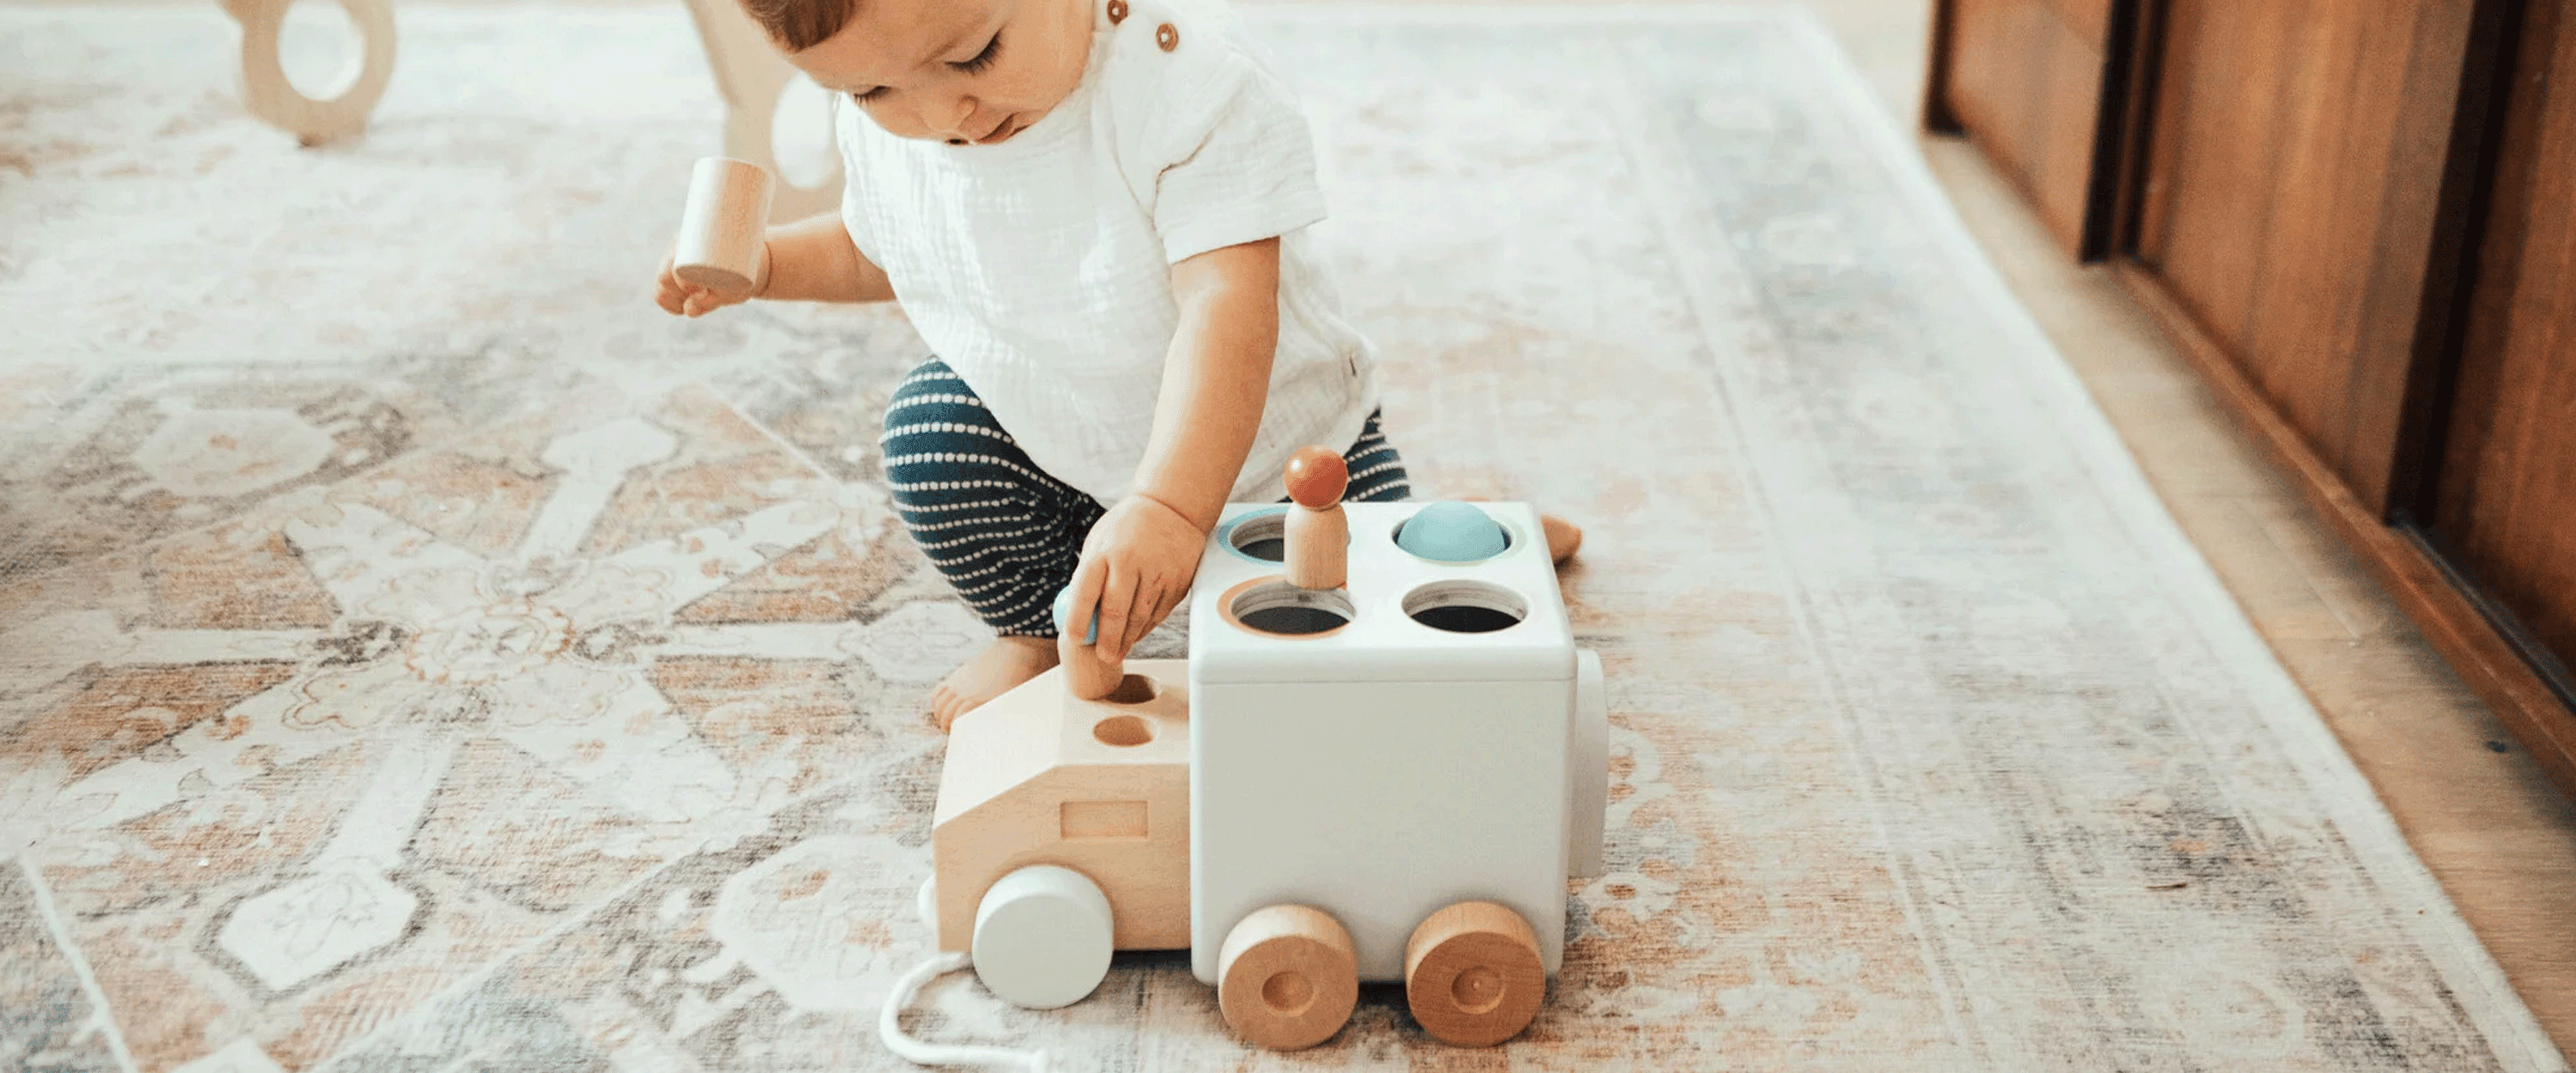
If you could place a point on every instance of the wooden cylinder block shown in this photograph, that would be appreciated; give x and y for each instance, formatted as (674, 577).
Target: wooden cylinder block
(1317, 535)
(1287, 977)
(1472, 974)
(1086, 675)
(1316, 546)
(724, 226)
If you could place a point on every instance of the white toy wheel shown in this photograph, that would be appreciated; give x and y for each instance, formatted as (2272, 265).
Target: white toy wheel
(268, 94)
(1042, 937)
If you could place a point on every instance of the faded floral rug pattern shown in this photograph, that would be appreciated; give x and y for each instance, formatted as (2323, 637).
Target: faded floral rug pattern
(417, 653)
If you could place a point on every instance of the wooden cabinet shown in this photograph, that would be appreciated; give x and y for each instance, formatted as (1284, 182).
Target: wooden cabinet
(2502, 491)
(2358, 221)
(2029, 81)
(2287, 199)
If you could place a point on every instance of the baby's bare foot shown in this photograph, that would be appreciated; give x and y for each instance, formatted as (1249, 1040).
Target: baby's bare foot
(1005, 663)
(1562, 537)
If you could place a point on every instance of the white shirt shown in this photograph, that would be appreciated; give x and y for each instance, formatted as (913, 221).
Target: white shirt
(1040, 268)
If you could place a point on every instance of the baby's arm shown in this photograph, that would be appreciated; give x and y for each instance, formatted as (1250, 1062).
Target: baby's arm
(807, 261)
(1140, 558)
(1216, 379)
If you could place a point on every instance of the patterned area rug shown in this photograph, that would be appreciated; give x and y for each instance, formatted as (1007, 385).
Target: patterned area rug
(421, 654)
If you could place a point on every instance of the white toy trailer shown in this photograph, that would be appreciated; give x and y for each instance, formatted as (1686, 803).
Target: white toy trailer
(1387, 780)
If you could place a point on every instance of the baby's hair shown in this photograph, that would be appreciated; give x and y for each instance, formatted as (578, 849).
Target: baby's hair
(797, 25)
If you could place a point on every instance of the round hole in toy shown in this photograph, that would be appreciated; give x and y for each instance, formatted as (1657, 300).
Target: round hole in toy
(1122, 731)
(1288, 993)
(800, 133)
(1261, 536)
(1278, 608)
(1466, 606)
(1450, 531)
(1133, 689)
(319, 49)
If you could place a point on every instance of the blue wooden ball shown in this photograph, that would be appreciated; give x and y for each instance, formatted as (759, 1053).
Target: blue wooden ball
(1452, 532)
(1064, 606)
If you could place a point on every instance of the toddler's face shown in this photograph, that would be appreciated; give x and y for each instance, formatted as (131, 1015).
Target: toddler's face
(962, 71)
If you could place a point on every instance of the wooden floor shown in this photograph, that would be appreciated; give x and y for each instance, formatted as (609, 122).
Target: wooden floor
(2502, 839)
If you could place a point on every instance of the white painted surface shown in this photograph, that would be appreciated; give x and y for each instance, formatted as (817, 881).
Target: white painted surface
(1387, 769)
(1587, 765)
(1042, 937)
(1382, 644)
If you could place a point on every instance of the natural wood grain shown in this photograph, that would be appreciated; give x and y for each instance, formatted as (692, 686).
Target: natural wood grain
(1037, 777)
(2476, 806)
(2206, 196)
(2505, 502)
(2025, 83)
(1315, 541)
(268, 94)
(2482, 657)
(2088, 20)
(2268, 583)
(751, 76)
(724, 227)
(2301, 167)
(1088, 675)
(2414, 320)
(1287, 978)
(2316, 251)
(1472, 975)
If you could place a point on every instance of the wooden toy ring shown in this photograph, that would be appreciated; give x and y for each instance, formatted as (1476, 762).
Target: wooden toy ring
(268, 94)
(749, 136)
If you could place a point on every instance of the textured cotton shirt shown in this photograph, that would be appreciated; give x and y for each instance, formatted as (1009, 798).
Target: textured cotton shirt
(1039, 268)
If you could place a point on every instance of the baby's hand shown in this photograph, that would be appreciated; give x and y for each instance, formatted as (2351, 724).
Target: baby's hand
(1136, 565)
(680, 297)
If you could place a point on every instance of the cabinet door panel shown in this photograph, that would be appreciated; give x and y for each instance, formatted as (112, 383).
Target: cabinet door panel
(2208, 184)
(2505, 505)
(2024, 77)
(2289, 197)
(2088, 20)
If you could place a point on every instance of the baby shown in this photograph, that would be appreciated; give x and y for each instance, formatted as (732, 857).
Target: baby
(1094, 212)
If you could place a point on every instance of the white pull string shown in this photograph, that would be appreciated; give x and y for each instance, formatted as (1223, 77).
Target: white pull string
(940, 1054)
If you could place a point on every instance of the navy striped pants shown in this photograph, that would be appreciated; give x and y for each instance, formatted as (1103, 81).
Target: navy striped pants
(1005, 534)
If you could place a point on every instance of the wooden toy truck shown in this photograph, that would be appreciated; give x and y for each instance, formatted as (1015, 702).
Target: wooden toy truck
(1388, 780)
(1382, 761)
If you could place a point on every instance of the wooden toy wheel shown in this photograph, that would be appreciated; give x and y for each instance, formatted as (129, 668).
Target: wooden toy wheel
(1472, 974)
(1287, 977)
(1042, 937)
(267, 93)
